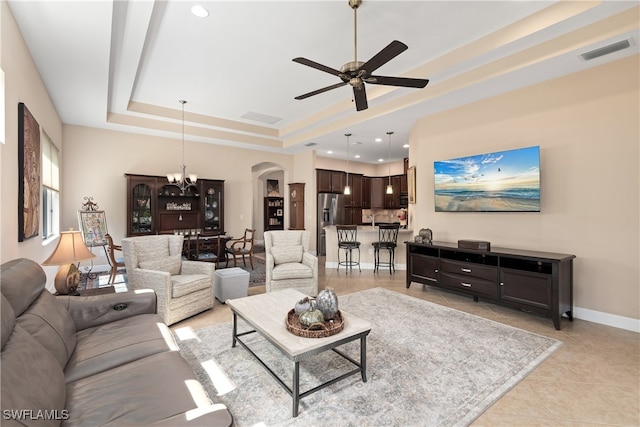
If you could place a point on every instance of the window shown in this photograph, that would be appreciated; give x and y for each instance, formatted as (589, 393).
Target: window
(50, 188)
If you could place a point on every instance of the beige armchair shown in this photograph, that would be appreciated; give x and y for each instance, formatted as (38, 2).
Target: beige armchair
(183, 288)
(289, 264)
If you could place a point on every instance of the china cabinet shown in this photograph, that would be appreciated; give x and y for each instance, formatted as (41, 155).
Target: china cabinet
(156, 207)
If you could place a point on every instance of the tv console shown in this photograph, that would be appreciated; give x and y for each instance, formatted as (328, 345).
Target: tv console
(531, 281)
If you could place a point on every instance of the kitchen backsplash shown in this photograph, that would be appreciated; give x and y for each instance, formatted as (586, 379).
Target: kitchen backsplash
(385, 215)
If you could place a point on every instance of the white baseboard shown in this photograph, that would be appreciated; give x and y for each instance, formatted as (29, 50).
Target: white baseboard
(608, 319)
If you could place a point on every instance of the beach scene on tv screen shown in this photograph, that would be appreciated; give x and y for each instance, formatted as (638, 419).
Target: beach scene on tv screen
(504, 181)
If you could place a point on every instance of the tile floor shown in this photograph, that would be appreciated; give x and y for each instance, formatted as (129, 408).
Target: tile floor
(592, 380)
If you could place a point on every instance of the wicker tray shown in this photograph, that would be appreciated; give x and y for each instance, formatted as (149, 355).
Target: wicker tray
(329, 327)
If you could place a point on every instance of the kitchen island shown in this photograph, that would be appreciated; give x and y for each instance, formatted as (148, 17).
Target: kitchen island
(367, 234)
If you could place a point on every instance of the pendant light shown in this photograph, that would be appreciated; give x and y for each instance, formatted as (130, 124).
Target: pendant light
(181, 180)
(347, 187)
(389, 186)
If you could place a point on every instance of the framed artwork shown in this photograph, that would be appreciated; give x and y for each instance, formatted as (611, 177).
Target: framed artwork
(28, 174)
(273, 189)
(411, 184)
(93, 225)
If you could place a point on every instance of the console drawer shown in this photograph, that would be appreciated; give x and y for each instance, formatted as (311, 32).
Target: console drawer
(470, 284)
(469, 269)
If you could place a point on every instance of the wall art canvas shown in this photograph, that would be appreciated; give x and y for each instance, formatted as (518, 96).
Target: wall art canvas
(94, 227)
(28, 174)
(273, 189)
(505, 181)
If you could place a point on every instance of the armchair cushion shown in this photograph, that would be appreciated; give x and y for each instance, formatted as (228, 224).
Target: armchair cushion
(285, 254)
(170, 264)
(291, 270)
(185, 284)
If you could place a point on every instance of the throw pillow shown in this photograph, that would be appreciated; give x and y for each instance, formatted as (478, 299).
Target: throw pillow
(170, 264)
(284, 254)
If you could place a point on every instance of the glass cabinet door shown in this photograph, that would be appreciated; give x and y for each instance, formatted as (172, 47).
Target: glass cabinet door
(141, 217)
(212, 208)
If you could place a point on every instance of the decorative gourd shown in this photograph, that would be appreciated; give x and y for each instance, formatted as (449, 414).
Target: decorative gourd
(303, 305)
(327, 303)
(310, 317)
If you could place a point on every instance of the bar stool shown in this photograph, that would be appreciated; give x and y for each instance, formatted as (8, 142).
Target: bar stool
(387, 239)
(348, 241)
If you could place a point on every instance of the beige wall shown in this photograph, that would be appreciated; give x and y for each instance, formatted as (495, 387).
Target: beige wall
(587, 127)
(100, 158)
(22, 84)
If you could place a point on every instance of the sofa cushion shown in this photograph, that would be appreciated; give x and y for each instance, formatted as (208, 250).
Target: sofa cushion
(151, 247)
(51, 325)
(170, 264)
(116, 343)
(284, 254)
(187, 283)
(31, 376)
(292, 270)
(22, 282)
(286, 238)
(152, 389)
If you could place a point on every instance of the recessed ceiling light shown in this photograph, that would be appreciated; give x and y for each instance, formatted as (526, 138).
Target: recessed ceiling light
(199, 11)
(357, 156)
(329, 152)
(405, 146)
(381, 160)
(378, 139)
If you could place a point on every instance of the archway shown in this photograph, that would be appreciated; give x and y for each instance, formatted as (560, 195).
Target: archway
(260, 173)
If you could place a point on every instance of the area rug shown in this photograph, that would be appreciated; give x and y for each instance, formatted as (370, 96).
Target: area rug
(427, 365)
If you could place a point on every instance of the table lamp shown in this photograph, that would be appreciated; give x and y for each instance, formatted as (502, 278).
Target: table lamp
(70, 249)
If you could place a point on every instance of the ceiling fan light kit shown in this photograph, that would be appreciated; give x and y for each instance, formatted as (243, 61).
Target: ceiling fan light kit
(357, 73)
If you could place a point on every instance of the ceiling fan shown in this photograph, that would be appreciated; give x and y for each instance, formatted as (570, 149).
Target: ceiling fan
(356, 73)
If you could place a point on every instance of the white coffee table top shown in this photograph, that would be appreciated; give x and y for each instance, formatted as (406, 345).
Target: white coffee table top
(267, 313)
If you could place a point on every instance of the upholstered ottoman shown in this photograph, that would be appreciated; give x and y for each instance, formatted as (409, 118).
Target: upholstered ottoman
(230, 283)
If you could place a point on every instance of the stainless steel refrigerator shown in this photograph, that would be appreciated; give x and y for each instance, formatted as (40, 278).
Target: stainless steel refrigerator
(330, 212)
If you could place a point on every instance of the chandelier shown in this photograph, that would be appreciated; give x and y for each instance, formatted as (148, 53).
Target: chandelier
(181, 179)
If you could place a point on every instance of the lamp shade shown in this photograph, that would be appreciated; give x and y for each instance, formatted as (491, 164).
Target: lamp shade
(70, 249)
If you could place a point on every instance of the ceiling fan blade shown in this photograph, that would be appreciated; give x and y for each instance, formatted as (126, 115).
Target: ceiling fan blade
(324, 89)
(397, 81)
(312, 64)
(392, 50)
(361, 98)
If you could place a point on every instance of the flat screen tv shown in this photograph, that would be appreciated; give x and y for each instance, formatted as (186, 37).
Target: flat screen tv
(504, 181)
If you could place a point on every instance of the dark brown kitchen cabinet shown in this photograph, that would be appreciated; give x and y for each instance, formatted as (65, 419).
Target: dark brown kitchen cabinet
(392, 201)
(355, 198)
(329, 181)
(353, 216)
(378, 185)
(366, 192)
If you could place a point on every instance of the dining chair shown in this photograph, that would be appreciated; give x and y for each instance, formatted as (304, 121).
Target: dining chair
(241, 248)
(114, 262)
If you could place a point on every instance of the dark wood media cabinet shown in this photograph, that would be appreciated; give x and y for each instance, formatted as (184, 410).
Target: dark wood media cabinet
(531, 281)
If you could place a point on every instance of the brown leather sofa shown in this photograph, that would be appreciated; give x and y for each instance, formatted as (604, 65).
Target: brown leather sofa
(92, 361)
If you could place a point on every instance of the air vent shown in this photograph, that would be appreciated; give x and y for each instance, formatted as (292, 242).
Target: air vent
(262, 118)
(605, 50)
(310, 144)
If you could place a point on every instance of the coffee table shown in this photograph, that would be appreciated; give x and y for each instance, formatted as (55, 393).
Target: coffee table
(267, 314)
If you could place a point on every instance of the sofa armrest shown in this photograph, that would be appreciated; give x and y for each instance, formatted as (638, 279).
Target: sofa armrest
(198, 267)
(311, 260)
(88, 312)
